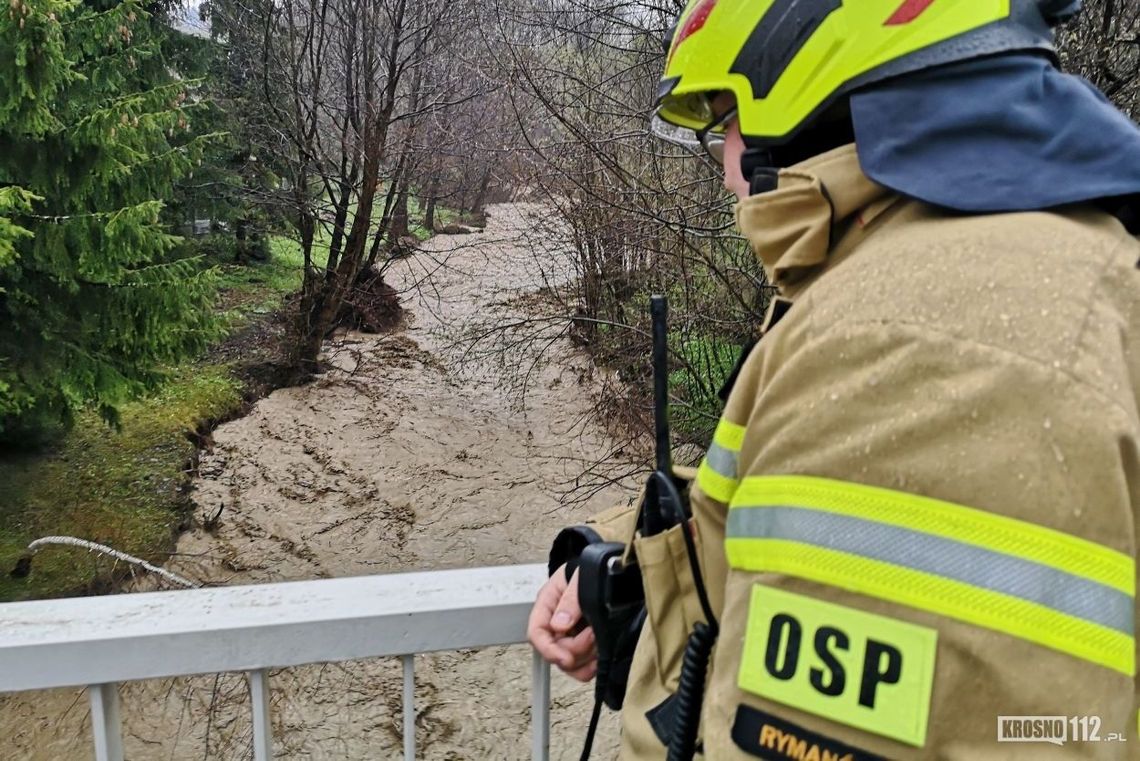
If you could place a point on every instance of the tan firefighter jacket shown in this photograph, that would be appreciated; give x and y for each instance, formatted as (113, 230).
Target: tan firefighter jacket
(918, 517)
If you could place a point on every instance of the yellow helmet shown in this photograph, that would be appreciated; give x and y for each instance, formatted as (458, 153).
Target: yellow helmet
(787, 61)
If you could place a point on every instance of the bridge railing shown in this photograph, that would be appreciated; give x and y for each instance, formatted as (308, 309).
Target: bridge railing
(99, 642)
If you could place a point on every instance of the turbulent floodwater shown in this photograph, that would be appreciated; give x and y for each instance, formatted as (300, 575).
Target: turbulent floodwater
(457, 441)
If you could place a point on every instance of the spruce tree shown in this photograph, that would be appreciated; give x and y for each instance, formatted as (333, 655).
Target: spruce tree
(95, 293)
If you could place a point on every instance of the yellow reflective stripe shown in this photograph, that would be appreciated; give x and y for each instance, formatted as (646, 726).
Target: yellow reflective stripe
(947, 558)
(714, 484)
(936, 594)
(729, 435)
(999, 533)
(713, 476)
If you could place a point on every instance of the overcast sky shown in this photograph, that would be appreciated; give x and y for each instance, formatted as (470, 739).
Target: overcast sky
(188, 22)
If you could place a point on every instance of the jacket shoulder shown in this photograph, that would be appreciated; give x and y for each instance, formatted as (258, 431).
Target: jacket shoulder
(1043, 286)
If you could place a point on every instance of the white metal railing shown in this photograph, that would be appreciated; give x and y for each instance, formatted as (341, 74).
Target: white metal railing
(98, 642)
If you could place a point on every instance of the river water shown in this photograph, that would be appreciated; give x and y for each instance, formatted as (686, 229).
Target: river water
(459, 440)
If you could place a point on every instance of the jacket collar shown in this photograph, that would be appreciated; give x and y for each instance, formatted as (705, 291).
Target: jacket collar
(794, 228)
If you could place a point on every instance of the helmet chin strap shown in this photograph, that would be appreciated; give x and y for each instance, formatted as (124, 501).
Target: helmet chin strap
(762, 159)
(757, 166)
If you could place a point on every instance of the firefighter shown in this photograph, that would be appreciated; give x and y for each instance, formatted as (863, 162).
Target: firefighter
(917, 519)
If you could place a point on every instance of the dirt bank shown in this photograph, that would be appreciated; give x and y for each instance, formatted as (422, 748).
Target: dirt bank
(417, 451)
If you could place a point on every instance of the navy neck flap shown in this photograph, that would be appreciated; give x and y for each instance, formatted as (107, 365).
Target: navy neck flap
(1009, 133)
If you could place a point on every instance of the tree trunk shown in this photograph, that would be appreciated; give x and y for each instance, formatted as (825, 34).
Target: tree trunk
(241, 251)
(399, 227)
(481, 196)
(429, 209)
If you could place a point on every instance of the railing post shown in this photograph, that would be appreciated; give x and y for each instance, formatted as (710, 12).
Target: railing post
(262, 724)
(105, 724)
(409, 708)
(540, 708)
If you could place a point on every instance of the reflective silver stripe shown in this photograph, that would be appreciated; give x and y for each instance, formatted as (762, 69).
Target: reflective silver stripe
(948, 558)
(723, 461)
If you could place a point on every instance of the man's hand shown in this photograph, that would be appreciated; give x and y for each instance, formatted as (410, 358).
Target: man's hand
(557, 630)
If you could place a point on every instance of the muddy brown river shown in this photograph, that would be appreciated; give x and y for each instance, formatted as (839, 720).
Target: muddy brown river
(459, 440)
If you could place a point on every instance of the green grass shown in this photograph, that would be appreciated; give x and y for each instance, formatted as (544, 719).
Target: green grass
(124, 488)
(443, 217)
(710, 362)
(260, 287)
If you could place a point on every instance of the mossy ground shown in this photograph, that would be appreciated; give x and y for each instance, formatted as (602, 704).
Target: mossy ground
(128, 487)
(124, 488)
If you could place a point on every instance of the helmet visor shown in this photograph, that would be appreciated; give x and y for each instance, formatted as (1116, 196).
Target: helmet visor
(690, 111)
(709, 137)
